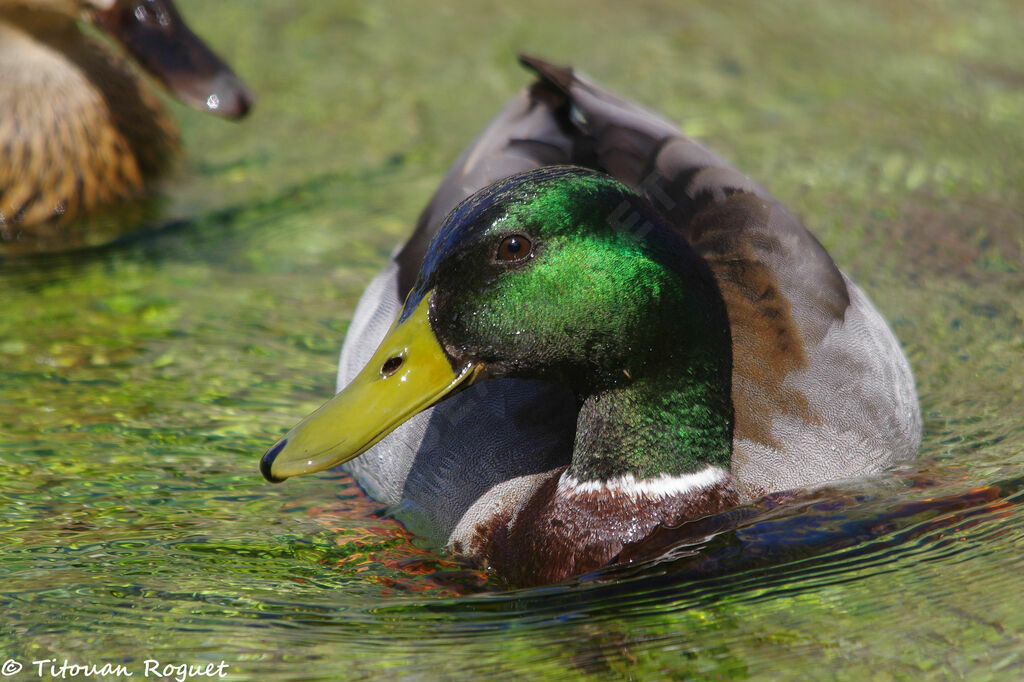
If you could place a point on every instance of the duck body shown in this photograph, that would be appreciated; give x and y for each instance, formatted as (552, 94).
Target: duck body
(750, 364)
(79, 129)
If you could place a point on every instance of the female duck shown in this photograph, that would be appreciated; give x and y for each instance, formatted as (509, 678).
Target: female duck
(78, 130)
(586, 353)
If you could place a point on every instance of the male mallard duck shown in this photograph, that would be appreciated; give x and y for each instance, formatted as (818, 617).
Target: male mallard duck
(588, 351)
(78, 130)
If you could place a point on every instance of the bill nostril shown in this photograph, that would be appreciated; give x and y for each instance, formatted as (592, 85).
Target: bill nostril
(391, 365)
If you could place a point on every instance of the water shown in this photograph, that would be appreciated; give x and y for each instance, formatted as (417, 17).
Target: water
(140, 383)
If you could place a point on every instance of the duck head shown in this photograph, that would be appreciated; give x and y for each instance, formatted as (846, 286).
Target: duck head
(535, 277)
(155, 35)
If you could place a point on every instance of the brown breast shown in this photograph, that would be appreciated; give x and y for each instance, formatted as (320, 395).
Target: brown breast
(557, 535)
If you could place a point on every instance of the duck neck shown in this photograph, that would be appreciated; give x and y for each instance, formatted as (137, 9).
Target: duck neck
(675, 424)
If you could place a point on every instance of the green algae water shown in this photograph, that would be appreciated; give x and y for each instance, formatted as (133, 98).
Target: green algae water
(140, 383)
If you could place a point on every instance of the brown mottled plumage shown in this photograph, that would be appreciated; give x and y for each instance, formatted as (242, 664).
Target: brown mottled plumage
(79, 129)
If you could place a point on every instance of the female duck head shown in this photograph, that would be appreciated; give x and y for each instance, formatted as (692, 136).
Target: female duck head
(153, 32)
(537, 277)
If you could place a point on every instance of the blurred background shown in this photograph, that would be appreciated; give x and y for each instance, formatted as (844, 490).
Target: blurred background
(140, 382)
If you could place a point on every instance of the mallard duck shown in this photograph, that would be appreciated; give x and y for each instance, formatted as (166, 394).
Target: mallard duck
(78, 128)
(601, 328)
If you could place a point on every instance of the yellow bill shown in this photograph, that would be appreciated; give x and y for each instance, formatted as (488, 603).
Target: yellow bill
(408, 373)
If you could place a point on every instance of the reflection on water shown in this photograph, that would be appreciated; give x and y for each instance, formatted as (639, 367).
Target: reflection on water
(141, 381)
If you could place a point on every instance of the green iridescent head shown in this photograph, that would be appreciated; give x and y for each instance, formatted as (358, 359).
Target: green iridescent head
(536, 276)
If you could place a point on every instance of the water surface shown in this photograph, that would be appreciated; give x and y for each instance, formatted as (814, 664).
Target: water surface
(140, 383)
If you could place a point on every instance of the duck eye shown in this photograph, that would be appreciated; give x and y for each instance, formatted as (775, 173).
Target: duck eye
(512, 248)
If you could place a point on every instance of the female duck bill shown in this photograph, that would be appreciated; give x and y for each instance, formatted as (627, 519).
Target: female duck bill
(156, 35)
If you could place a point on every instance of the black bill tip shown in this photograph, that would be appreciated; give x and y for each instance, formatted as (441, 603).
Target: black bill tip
(268, 461)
